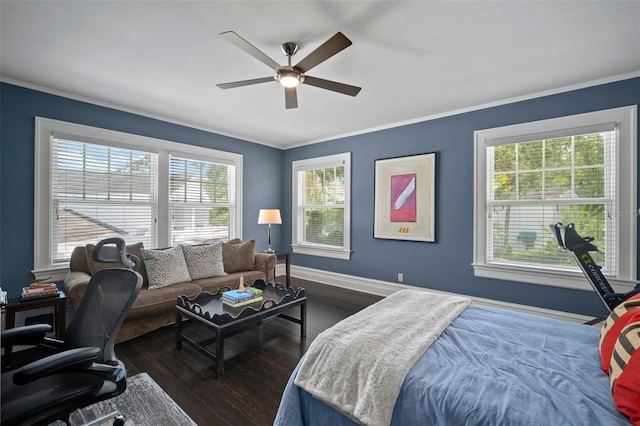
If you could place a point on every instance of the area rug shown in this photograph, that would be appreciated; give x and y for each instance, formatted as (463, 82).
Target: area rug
(144, 403)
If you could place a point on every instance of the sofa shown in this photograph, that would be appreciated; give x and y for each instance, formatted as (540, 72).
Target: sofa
(168, 273)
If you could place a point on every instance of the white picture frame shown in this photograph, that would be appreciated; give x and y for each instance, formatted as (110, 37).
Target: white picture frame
(405, 198)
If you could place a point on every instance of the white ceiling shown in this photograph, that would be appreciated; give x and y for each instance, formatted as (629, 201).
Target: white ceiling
(413, 60)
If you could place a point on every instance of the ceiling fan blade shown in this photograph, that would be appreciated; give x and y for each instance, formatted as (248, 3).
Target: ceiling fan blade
(250, 49)
(290, 97)
(326, 50)
(244, 83)
(334, 86)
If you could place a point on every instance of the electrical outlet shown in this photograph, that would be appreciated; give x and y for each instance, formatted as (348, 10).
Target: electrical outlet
(400, 277)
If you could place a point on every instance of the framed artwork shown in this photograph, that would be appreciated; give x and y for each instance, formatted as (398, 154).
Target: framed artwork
(405, 198)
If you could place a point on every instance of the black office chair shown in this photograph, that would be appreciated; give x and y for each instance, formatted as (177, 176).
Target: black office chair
(87, 370)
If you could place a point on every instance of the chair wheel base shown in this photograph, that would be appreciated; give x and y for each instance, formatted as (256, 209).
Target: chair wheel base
(119, 420)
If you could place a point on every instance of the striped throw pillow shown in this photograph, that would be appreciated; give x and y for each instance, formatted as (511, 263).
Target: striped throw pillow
(625, 370)
(617, 320)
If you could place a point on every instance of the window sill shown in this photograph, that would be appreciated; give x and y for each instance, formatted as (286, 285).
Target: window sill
(549, 277)
(334, 253)
(54, 274)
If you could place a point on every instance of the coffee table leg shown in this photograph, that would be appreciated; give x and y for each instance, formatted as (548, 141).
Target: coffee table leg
(220, 353)
(178, 331)
(303, 319)
(288, 271)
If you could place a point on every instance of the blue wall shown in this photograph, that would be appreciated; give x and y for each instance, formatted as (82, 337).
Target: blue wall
(18, 109)
(446, 265)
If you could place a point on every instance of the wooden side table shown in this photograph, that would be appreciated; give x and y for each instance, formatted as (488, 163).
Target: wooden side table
(59, 303)
(286, 256)
(16, 304)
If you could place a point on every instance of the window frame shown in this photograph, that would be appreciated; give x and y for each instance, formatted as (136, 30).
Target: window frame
(626, 208)
(297, 245)
(45, 128)
(236, 196)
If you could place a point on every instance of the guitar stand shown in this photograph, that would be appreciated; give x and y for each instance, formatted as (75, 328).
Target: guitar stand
(568, 239)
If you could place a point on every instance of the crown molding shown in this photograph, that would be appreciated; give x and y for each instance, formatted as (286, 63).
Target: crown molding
(147, 114)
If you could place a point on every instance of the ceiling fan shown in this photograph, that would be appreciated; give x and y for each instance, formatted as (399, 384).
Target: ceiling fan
(291, 76)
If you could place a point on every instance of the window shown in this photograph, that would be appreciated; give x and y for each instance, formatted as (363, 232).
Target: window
(578, 169)
(321, 206)
(201, 200)
(93, 183)
(99, 191)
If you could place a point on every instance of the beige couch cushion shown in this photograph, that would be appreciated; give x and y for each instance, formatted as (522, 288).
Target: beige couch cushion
(239, 256)
(135, 249)
(158, 300)
(78, 262)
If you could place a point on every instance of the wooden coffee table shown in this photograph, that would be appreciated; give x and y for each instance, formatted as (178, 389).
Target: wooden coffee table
(208, 310)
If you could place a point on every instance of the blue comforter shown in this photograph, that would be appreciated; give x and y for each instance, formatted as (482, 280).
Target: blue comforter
(491, 367)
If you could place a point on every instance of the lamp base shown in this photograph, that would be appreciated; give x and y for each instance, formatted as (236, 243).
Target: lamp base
(270, 250)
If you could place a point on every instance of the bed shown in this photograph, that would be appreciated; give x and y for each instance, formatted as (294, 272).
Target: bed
(489, 366)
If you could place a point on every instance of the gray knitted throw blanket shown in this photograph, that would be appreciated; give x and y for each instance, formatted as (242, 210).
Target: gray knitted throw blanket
(358, 365)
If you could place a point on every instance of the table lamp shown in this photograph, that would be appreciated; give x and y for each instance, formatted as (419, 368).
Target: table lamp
(269, 217)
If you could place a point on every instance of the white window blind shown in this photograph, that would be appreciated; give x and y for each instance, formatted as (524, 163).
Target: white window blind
(321, 205)
(100, 191)
(93, 183)
(202, 199)
(532, 184)
(577, 169)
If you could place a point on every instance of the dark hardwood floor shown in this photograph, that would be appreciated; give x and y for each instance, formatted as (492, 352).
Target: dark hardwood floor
(258, 362)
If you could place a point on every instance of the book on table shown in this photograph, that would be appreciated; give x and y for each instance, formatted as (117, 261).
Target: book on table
(238, 296)
(39, 291)
(242, 302)
(254, 290)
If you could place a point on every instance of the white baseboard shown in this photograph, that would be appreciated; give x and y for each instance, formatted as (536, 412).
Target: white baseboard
(385, 288)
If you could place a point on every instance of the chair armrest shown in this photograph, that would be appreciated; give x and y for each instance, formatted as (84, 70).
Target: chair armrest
(75, 286)
(266, 263)
(71, 360)
(26, 335)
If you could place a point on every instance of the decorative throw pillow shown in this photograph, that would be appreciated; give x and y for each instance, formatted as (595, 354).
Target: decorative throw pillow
(239, 257)
(166, 267)
(625, 370)
(204, 261)
(134, 249)
(617, 320)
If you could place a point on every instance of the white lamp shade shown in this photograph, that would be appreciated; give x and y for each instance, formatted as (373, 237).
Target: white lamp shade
(269, 217)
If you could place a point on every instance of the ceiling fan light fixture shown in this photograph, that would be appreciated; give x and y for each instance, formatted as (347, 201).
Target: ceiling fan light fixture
(289, 78)
(289, 81)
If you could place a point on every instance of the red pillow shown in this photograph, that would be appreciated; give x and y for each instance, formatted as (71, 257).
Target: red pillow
(617, 320)
(625, 370)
